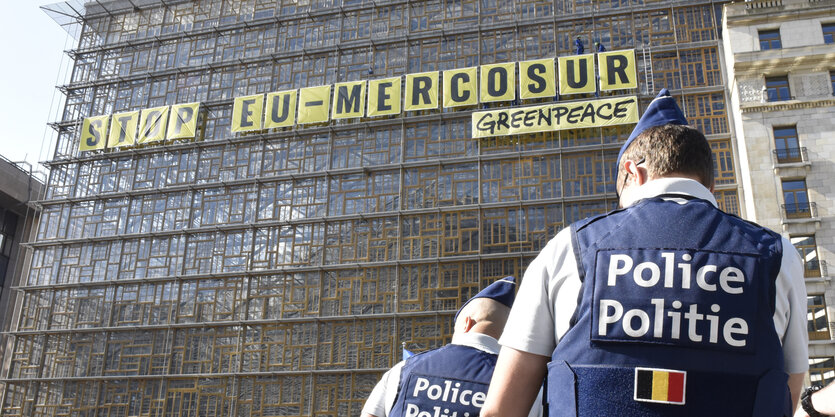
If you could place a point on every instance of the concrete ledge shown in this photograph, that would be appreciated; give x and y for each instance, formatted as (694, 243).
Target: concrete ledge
(17, 187)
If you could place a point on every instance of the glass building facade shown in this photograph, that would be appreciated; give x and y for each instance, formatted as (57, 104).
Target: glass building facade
(279, 273)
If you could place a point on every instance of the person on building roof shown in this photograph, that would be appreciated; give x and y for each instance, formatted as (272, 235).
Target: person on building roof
(578, 46)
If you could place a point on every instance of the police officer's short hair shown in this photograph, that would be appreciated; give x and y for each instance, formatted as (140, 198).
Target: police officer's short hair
(671, 149)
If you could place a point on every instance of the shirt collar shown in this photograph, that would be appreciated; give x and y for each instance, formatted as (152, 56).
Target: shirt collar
(671, 185)
(478, 341)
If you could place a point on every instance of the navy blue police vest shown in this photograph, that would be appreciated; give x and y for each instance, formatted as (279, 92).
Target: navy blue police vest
(450, 381)
(675, 316)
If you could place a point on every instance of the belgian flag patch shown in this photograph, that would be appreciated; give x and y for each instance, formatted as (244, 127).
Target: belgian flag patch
(660, 385)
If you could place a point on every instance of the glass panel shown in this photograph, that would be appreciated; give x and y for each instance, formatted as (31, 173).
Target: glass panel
(707, 113)
(777, 88)
(695, 24)
(437, 287)
(770, 39)
(817, 323)
(828, 32)
(808, 249)
(786, 143)
(821, 370)
(723, 162)
(796, 198)
(360, 241)
(728, 201)
(700, 67)
(832, 81)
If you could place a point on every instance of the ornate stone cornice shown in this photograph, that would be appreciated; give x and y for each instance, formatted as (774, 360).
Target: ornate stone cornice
(780, 61)
(787, 105)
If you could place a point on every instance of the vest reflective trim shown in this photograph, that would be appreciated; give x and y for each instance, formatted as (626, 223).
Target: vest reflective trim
(678, 287)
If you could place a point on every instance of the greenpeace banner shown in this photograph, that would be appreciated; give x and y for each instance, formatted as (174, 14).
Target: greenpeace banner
(313, 104)
(247, 112)
(384, 97)
(506, 82)
(123, 129)
(93, 132)
(281, 109)
(556, 116)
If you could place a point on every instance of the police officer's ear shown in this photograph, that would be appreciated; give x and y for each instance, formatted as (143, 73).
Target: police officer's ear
(469, 322)
(635, 173)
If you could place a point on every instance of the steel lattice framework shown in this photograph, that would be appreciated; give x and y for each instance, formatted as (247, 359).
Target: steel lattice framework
(278, 273)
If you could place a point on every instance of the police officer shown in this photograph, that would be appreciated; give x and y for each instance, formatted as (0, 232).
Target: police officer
(450, 381)
(667, 306)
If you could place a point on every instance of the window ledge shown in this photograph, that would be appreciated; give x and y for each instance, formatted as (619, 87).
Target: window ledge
(800, 220)
(822, 342)
(792, 169)
(801, 226)
(792, 165)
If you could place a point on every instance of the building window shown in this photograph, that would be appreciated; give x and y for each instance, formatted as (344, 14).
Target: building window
(832, 81)
(728, 201)
(808, 249)
(816, 322)
(777, 88)
(828, 32)
(821, 370)
(786, 144)
(770, 39)
(723, 162)
(796, 199)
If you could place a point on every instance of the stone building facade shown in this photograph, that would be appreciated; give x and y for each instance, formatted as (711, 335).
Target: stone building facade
(780, 60)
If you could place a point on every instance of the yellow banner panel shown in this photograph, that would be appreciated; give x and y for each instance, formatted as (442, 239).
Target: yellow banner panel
(498, 82)
(348, 100)
(123, 129)
(152, 124)
(618, 70)
(421, 91)
(313, 104)
(460, 87)
(183, 123)
(557, 116)
(247, 113)
(384, 97)
(281, 109)
(577, 74)
(93, 131)
(537, 79)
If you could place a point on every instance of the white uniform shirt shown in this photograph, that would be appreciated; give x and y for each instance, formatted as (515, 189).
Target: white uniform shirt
(382, 397)
(550, 289)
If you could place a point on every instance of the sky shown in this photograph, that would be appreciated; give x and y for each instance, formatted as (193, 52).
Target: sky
(32, 49)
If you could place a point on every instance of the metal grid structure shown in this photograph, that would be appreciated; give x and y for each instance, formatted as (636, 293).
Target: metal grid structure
(278, 273)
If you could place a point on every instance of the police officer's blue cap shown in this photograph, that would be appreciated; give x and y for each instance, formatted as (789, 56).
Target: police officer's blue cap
(663, 110)
(503, 291)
